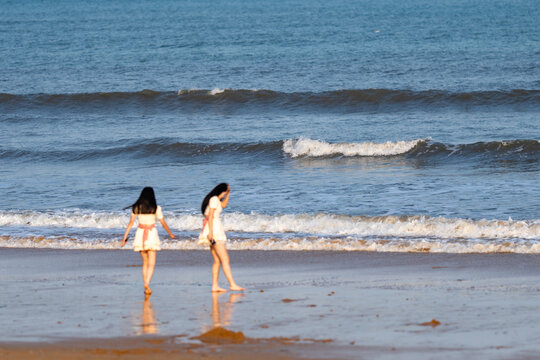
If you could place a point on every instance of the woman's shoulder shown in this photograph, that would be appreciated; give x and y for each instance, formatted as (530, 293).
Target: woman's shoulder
(214, 202)
(159, 212)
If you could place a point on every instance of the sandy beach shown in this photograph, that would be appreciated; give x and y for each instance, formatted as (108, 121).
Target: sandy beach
(345, 305)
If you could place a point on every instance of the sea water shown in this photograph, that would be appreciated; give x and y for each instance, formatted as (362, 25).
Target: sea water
(339, 125)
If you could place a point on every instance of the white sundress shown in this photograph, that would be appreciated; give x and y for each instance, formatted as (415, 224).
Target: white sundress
(152, 241)
(219, 233)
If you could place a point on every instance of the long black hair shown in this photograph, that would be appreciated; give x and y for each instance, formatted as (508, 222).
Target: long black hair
(146, 203)
(215, 192)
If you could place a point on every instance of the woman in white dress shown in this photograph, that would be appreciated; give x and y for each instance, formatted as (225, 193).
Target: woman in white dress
(146, 242)
(214, 235)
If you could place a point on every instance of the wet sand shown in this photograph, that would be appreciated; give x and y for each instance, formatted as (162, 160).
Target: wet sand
(90, 304)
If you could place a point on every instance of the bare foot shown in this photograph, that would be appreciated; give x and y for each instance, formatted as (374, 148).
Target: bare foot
(218, 289)
(147, 290)
(237, 288)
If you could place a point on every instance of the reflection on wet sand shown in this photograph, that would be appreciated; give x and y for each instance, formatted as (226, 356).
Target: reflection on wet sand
(222, 313)
(148, 324)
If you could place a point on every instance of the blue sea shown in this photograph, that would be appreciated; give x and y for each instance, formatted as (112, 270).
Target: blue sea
(340, 125)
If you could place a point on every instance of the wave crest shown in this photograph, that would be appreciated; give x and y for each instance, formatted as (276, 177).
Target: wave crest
(287, 232)
(323, 224)
(304, 147)
(526, 150)
(294, 244)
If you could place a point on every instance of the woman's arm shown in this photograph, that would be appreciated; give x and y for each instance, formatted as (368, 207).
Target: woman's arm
(225, 200)
(211, 224)
(166, 227)
(130, 225)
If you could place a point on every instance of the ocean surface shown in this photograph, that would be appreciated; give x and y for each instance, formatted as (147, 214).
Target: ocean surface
(340, 125)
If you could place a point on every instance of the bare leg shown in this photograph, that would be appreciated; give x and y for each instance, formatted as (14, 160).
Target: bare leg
(150, 269)
(144, 255)
(221, 252)
(215, 271)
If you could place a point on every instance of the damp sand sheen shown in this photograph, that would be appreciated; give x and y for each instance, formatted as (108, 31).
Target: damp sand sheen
(310, 304)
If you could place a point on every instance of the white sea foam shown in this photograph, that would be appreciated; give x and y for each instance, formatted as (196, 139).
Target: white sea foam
(395, 226)
(295, 244)
(293, 232)
(313, 148)
(216, 91)
(388, 245)
(72, 219)
(306, 224)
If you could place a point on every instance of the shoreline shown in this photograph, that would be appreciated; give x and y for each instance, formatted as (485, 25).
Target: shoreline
(329, 304)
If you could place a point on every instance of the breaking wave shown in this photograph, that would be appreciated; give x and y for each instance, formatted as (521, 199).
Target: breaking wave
(330, 232)
(294, 244)
(305, 147)
(294, 148)
(316, 148)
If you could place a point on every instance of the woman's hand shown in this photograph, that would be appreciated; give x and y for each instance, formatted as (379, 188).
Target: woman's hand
(225, 199)
(166, 227)
(126, 234)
